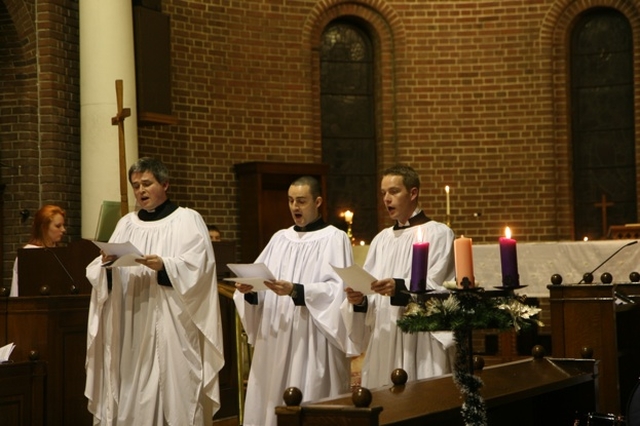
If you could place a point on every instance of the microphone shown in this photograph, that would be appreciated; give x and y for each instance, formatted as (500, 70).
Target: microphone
(74, 289)
(588, 277)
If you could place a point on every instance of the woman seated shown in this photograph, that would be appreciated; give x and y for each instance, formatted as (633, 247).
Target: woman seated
(47, 231)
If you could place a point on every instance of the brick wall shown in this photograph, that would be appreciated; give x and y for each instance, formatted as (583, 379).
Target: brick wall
(472, 94)
(39, 116)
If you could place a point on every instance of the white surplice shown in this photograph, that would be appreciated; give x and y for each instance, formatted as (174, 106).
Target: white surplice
(386, 347)
(154, 352)
(301, 346)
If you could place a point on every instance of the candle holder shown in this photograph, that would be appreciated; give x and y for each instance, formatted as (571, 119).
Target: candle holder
(509, 287)
(465, 282)
(418, 298)
(349, 233)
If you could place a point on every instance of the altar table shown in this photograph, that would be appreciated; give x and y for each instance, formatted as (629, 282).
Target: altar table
(537, 262)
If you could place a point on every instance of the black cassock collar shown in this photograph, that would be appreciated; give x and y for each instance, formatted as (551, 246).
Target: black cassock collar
(160, 212)
(418, 219)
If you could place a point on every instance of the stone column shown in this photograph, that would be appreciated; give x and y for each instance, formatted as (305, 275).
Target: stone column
(106, 55)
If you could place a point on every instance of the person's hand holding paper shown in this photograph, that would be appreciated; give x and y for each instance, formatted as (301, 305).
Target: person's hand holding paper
(253, 274)
(357, 282)
(119, 254)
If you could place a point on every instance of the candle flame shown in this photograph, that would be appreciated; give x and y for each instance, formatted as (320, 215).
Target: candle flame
(585, 239)
(507, 232)
(419, 235)
(362, 243)
(446, 189)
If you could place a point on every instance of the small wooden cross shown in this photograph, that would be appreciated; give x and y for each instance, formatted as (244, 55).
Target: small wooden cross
(118, 120)
(603, 205)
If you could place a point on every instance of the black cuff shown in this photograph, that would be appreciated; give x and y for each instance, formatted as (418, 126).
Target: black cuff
(363, 307)
(400, 297)
(109, 279)
(297, 295)
(163, 278)
(251, 298)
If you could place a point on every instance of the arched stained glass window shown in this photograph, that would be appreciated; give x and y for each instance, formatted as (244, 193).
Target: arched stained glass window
(602, 130)
(348, 125)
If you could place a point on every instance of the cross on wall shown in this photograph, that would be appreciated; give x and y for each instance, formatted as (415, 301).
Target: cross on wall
(603, 205)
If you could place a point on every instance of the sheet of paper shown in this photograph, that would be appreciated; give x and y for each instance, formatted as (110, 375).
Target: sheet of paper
(251, 273)
(127, 253)
(356, 278)
(5, 352)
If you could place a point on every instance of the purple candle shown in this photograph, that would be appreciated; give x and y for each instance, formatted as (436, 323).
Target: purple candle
(509, 260)
(419, 267)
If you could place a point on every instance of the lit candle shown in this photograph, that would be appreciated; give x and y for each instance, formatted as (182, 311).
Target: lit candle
(509, 260)
(419, 265)
(463, 254)
(446, 190)
(348, 216)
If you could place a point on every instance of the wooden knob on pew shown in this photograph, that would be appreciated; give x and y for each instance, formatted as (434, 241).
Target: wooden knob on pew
(399, 377)
(586, 352)
(478, 363)
(45, 290)
(538, 352)
(4, 291)
(34, 355)
(361, 397)
(292, 396)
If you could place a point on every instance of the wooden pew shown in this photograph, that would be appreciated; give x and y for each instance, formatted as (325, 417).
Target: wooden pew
(530, 392)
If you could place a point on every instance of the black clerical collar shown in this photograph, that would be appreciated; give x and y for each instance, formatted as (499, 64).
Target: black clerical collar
(313, 226)
(418, 219)
(160, 212)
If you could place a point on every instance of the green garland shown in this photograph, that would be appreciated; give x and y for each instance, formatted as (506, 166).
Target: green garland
(462, 312)
(468, 310)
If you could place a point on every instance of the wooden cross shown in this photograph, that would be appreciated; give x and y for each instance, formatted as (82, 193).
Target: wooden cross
(603, 205)
(118, 120)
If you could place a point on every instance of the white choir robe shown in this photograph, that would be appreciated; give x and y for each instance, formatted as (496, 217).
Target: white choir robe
(386, 347)
(301, 346)
(154, 352)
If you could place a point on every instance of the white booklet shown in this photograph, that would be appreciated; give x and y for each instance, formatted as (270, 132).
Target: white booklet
(5, 352)
(127, 253)
(356, 278)
(254, 274)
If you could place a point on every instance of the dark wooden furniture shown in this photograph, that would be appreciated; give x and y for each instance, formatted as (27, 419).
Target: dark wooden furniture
(225, 252)
(588, 320)
(624, 232)
(56, 271)
(262, 200)
(531, 392)
(48, 324)
(22, 393)
(53, 329)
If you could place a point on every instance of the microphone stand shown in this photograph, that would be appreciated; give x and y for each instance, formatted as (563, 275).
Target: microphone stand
(73, 289)
(590, 274)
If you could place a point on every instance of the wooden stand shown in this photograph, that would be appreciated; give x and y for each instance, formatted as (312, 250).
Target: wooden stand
(56, 271)
(262, 197)
(22, 393)
(48, 324)
(531, 392)
(587, 322)
(52, 330)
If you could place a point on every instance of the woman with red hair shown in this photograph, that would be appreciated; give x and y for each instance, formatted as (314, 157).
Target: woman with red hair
(47, 231)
